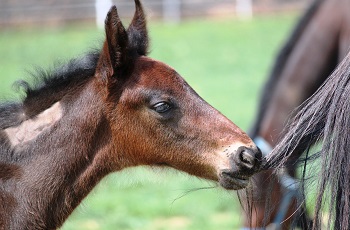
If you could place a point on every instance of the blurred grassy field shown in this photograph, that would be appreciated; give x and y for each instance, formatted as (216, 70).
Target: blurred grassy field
(226, 62)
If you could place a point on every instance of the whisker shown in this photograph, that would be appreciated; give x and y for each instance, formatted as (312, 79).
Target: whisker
(193, 190)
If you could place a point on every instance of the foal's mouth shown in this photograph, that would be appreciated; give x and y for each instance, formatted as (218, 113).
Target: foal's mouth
(232, 180)
(244, 163)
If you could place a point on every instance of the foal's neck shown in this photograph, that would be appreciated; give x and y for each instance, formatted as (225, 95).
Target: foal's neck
(63, 164)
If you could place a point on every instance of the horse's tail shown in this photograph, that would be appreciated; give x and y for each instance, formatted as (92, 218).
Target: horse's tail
(324, 117)
(279, 65)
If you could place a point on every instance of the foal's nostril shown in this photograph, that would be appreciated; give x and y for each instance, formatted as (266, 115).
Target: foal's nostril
(248, 159)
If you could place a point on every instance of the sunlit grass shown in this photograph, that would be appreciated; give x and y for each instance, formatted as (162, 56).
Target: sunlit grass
(226, 62)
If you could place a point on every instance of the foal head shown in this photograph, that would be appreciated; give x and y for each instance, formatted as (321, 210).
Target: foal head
(156, 118)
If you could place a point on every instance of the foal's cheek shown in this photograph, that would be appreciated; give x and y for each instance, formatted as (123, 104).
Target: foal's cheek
(142, 137)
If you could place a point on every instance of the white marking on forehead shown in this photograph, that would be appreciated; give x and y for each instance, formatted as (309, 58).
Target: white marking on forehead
(30, 129)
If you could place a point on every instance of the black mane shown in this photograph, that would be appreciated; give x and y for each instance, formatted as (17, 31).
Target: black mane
(50, 86)
(47, 88)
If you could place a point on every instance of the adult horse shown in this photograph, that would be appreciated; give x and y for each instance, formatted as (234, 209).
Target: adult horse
(323, 118)
(313, 50)
(109, 110)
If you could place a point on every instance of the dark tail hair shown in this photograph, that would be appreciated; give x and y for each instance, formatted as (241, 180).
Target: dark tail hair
(324, 117)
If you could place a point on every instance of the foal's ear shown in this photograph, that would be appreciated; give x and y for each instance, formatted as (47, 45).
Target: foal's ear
(137, 31)
(114, 53)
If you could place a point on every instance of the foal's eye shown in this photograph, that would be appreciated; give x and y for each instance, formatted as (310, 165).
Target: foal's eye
(161, 107)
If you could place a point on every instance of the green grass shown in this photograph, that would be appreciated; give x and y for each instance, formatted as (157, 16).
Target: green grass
(226, 62)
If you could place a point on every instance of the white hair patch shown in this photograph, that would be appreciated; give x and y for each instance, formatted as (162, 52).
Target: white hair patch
(30, 129)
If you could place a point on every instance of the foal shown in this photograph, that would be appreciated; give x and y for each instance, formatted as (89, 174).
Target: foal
(110, 110)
